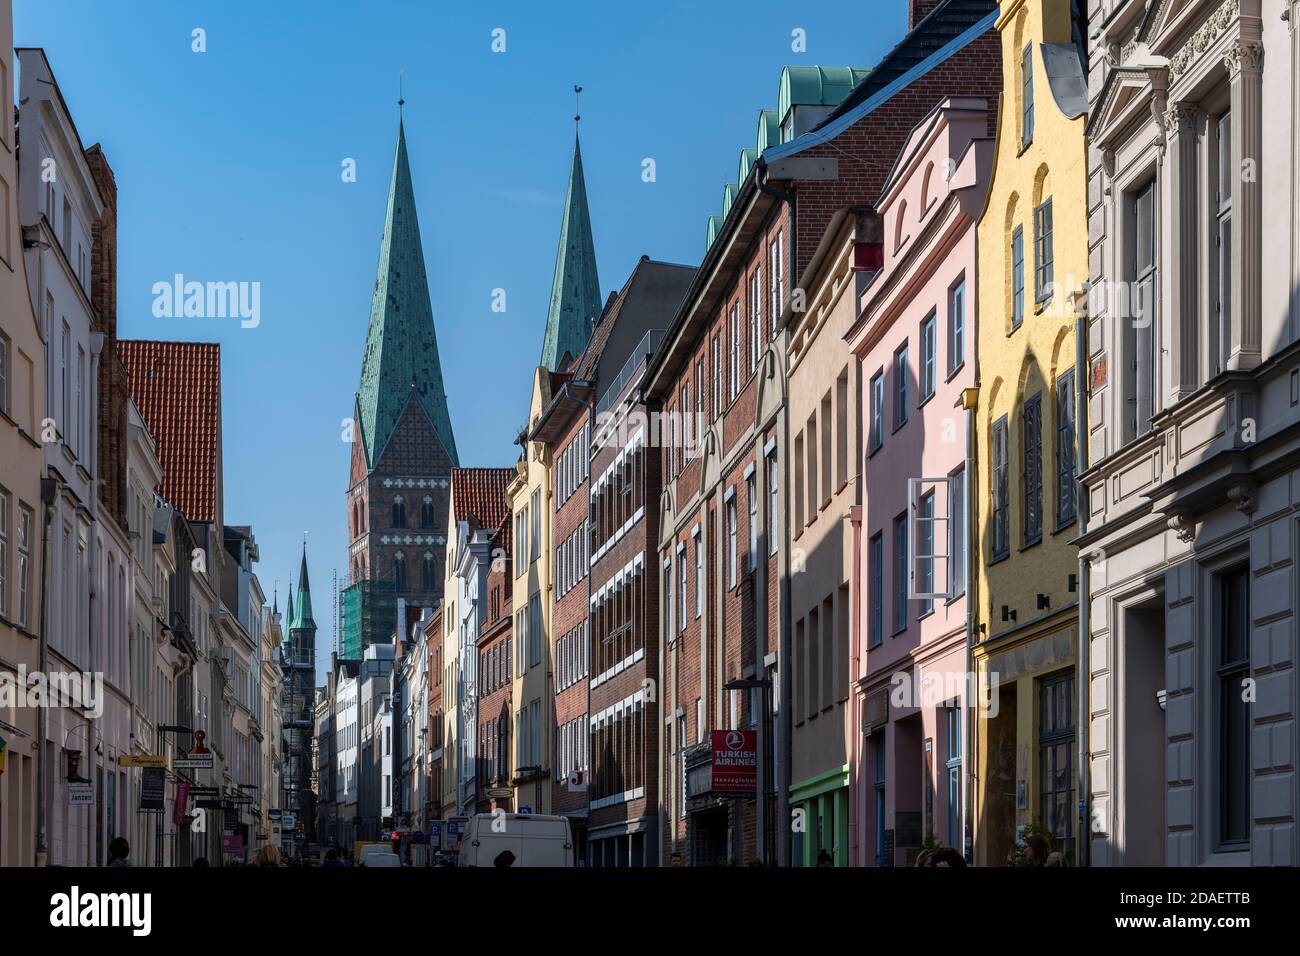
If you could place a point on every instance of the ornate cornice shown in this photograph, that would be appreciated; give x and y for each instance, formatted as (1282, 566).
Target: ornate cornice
(1206, 35)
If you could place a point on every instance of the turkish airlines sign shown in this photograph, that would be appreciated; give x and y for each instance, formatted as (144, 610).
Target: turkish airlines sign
(735, 761)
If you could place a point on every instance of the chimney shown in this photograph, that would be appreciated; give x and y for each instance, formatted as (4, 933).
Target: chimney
(112, 392)
(917, 10)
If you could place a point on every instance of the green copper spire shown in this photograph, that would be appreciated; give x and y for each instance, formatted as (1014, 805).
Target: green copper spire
(300, 614)
(575, 290)
(401, 354)
(288, 617)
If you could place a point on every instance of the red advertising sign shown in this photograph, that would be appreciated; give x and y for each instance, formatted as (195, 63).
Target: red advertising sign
(735, 761)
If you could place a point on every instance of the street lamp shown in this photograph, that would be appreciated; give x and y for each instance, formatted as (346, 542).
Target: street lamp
(765, 732)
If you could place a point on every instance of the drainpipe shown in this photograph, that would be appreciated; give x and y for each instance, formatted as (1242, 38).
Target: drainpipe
(970, 397)
(49, 489)
(1082, 666)
(785, 625)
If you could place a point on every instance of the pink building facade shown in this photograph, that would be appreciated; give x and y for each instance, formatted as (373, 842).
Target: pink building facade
(915, 341)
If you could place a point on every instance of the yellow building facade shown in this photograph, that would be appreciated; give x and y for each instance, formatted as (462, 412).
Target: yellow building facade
(1033, 262)
(531, 508)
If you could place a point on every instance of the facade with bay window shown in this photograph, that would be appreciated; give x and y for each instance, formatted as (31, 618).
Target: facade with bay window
(1194, 432)
(912, 532)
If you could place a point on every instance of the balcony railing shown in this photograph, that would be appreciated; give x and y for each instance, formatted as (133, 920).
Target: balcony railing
(644, 350)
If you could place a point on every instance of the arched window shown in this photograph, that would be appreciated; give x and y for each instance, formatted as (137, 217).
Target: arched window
(428, 571)
(426, 512)
(399, 572)
(399, 512)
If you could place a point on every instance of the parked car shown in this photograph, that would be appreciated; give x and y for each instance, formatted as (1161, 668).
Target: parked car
(380, 859)
(512, 839)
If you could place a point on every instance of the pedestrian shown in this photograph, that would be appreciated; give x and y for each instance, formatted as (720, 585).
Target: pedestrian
(1037, 849)
(332, 858)
(267, 856)
(824, 858)
(119, 852)
(200, 863)
(946, 856)
(1056, 858)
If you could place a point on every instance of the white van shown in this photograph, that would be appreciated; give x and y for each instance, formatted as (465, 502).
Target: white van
(512, 839)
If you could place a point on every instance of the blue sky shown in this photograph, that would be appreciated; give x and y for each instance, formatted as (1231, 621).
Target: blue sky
(228, 168)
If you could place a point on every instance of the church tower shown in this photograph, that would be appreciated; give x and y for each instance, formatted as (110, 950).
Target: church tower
(403, 448)
(575, 288)
(297, 706)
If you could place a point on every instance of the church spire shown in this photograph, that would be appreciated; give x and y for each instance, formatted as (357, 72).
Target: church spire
(401, 354)
(302, 618)
(575, 288)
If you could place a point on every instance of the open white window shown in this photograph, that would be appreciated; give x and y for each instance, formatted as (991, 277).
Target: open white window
(931, 505)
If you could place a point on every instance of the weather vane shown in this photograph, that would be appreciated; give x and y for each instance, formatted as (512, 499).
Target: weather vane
(577, 102)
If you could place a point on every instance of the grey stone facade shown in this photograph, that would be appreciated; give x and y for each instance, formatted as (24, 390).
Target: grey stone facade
(1193, 486)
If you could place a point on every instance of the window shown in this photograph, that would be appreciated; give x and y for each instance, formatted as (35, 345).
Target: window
(1233, 668)
(955, 835)
(1017, 277)
(1043, 251)
(521, 540)
(426, 512)
(731, 541)
(827, 448)
(957, 531)
(842, 429)
(717, 376)
(882, 846)
(6, 407)
(699, 575)
(925, 553)
(956, 326)
(755, 317)
(776, 278)
(1065, 448)
(736, 351)
(427, 577)
(682, 586)
(537, 524)
(811, 465)
(998, 487)
(399, 512)
(900, 572)
(1140, 331)
(1223, 241)
(669, 607)
(773, 500)
(1056, 758)
(25, 524)
(877, 570)
(535, 629)
(4, 553)
(900, 387)
(798, 485)
(877, 410)
(1032, 467)
(1027, 96)
(928, 345)
(751, 491)
(399, 572)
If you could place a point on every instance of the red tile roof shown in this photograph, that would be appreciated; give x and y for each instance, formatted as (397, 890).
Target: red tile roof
(480, 494)
(177, 387)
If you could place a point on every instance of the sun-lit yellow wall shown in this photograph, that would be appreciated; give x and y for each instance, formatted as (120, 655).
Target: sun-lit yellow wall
(1015, 364)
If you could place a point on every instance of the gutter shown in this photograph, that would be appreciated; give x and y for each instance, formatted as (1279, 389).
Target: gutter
(1082, 664)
